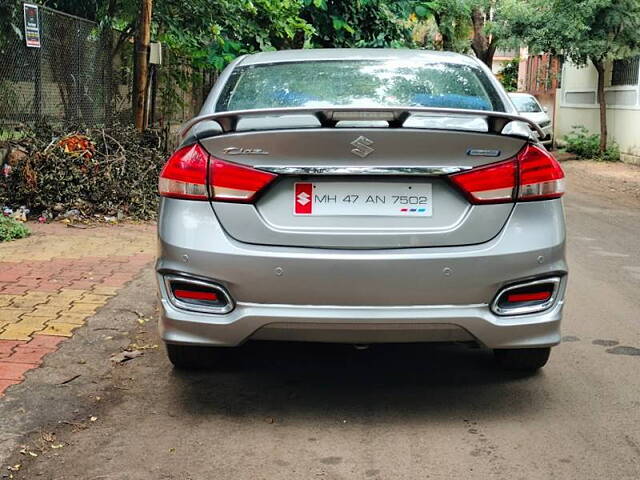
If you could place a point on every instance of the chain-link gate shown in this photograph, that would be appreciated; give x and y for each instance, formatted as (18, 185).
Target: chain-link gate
(78, 76)
(67, 79)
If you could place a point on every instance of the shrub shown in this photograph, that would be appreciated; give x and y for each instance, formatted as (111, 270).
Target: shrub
(107, 171)
(508, 75)
(581, 143)
(585, 145)
(11, 229)
(611, 154)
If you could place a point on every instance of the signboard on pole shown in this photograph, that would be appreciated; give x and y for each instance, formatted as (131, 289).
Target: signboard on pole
(32, 25)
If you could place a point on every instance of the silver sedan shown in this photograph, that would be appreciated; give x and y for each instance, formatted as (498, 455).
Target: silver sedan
(361, 196)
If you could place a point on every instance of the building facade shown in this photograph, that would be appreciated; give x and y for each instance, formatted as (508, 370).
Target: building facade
(577, 104)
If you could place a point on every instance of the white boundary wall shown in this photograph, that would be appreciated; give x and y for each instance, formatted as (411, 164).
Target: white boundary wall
(576, 104)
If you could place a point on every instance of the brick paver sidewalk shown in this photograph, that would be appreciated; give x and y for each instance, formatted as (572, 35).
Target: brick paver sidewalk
(53, 281)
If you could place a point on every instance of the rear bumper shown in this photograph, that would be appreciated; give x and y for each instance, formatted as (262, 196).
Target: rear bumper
(362, 296)
(361, 325)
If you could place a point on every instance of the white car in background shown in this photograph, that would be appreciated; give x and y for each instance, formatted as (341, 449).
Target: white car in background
(529, 107)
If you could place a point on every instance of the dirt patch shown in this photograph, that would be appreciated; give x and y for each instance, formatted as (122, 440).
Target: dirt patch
(622, 172)
(615, 182)
(77, 387)
(57, 240)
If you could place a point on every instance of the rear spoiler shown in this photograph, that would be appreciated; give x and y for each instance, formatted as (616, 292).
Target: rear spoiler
(329, 117)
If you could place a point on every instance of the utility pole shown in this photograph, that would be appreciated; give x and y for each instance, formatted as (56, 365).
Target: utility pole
(142, 65)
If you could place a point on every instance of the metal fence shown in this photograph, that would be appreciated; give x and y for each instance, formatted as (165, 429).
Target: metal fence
(83, 74)
(543, 74)
(626, 72)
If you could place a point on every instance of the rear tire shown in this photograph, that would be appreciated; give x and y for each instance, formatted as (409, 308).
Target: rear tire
(522, 359)
(188, 357)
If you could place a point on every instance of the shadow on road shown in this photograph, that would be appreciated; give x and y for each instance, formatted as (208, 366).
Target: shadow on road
(388, 382)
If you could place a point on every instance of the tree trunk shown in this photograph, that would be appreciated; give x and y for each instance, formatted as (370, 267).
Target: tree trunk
(37, 87)
(447, 41)
(482, 45)
(106, 41)
(599, 65)
(106, 44)
(63, 67)
(142, 65)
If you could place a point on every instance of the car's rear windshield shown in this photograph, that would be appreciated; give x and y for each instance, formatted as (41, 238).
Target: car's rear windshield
(525, 104)
(359, 83)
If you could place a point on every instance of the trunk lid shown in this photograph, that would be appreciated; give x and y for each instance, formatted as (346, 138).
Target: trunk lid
(397, 168)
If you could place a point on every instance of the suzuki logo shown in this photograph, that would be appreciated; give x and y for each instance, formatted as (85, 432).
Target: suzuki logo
(362, 147)
(303, 204)
(303, 198)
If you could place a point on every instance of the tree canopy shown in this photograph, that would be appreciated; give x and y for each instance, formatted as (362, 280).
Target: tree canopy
(581, 30)
(211, 33)
(596, 31)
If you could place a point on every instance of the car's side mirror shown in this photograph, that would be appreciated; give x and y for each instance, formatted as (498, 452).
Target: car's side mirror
(545, 109)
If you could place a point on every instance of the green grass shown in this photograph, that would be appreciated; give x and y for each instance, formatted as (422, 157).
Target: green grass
(11, 229)
(6, 135)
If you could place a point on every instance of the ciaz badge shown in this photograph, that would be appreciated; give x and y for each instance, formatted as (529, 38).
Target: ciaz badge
(244, 151)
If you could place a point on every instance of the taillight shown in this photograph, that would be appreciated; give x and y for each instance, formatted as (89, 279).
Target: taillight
(541, 176)
(185, 174)
(493, 183)
(231, 182)
(533, 175)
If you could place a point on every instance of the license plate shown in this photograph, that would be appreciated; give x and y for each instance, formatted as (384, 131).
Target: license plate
(363, 199)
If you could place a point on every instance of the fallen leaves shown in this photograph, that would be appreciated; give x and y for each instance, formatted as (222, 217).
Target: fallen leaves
(116, 168)
(138, 346)
(77, 145)
(26, 451)
(125, 356)
(142, 319)
(69, 380)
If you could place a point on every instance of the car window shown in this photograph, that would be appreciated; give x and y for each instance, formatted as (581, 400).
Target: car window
(389, 83)
(525, 104)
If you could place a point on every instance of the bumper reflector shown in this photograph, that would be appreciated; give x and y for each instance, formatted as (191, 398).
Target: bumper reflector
(197, 295)
(528, 297)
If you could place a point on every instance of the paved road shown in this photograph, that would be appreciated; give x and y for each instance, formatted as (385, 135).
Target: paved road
(300, 412)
